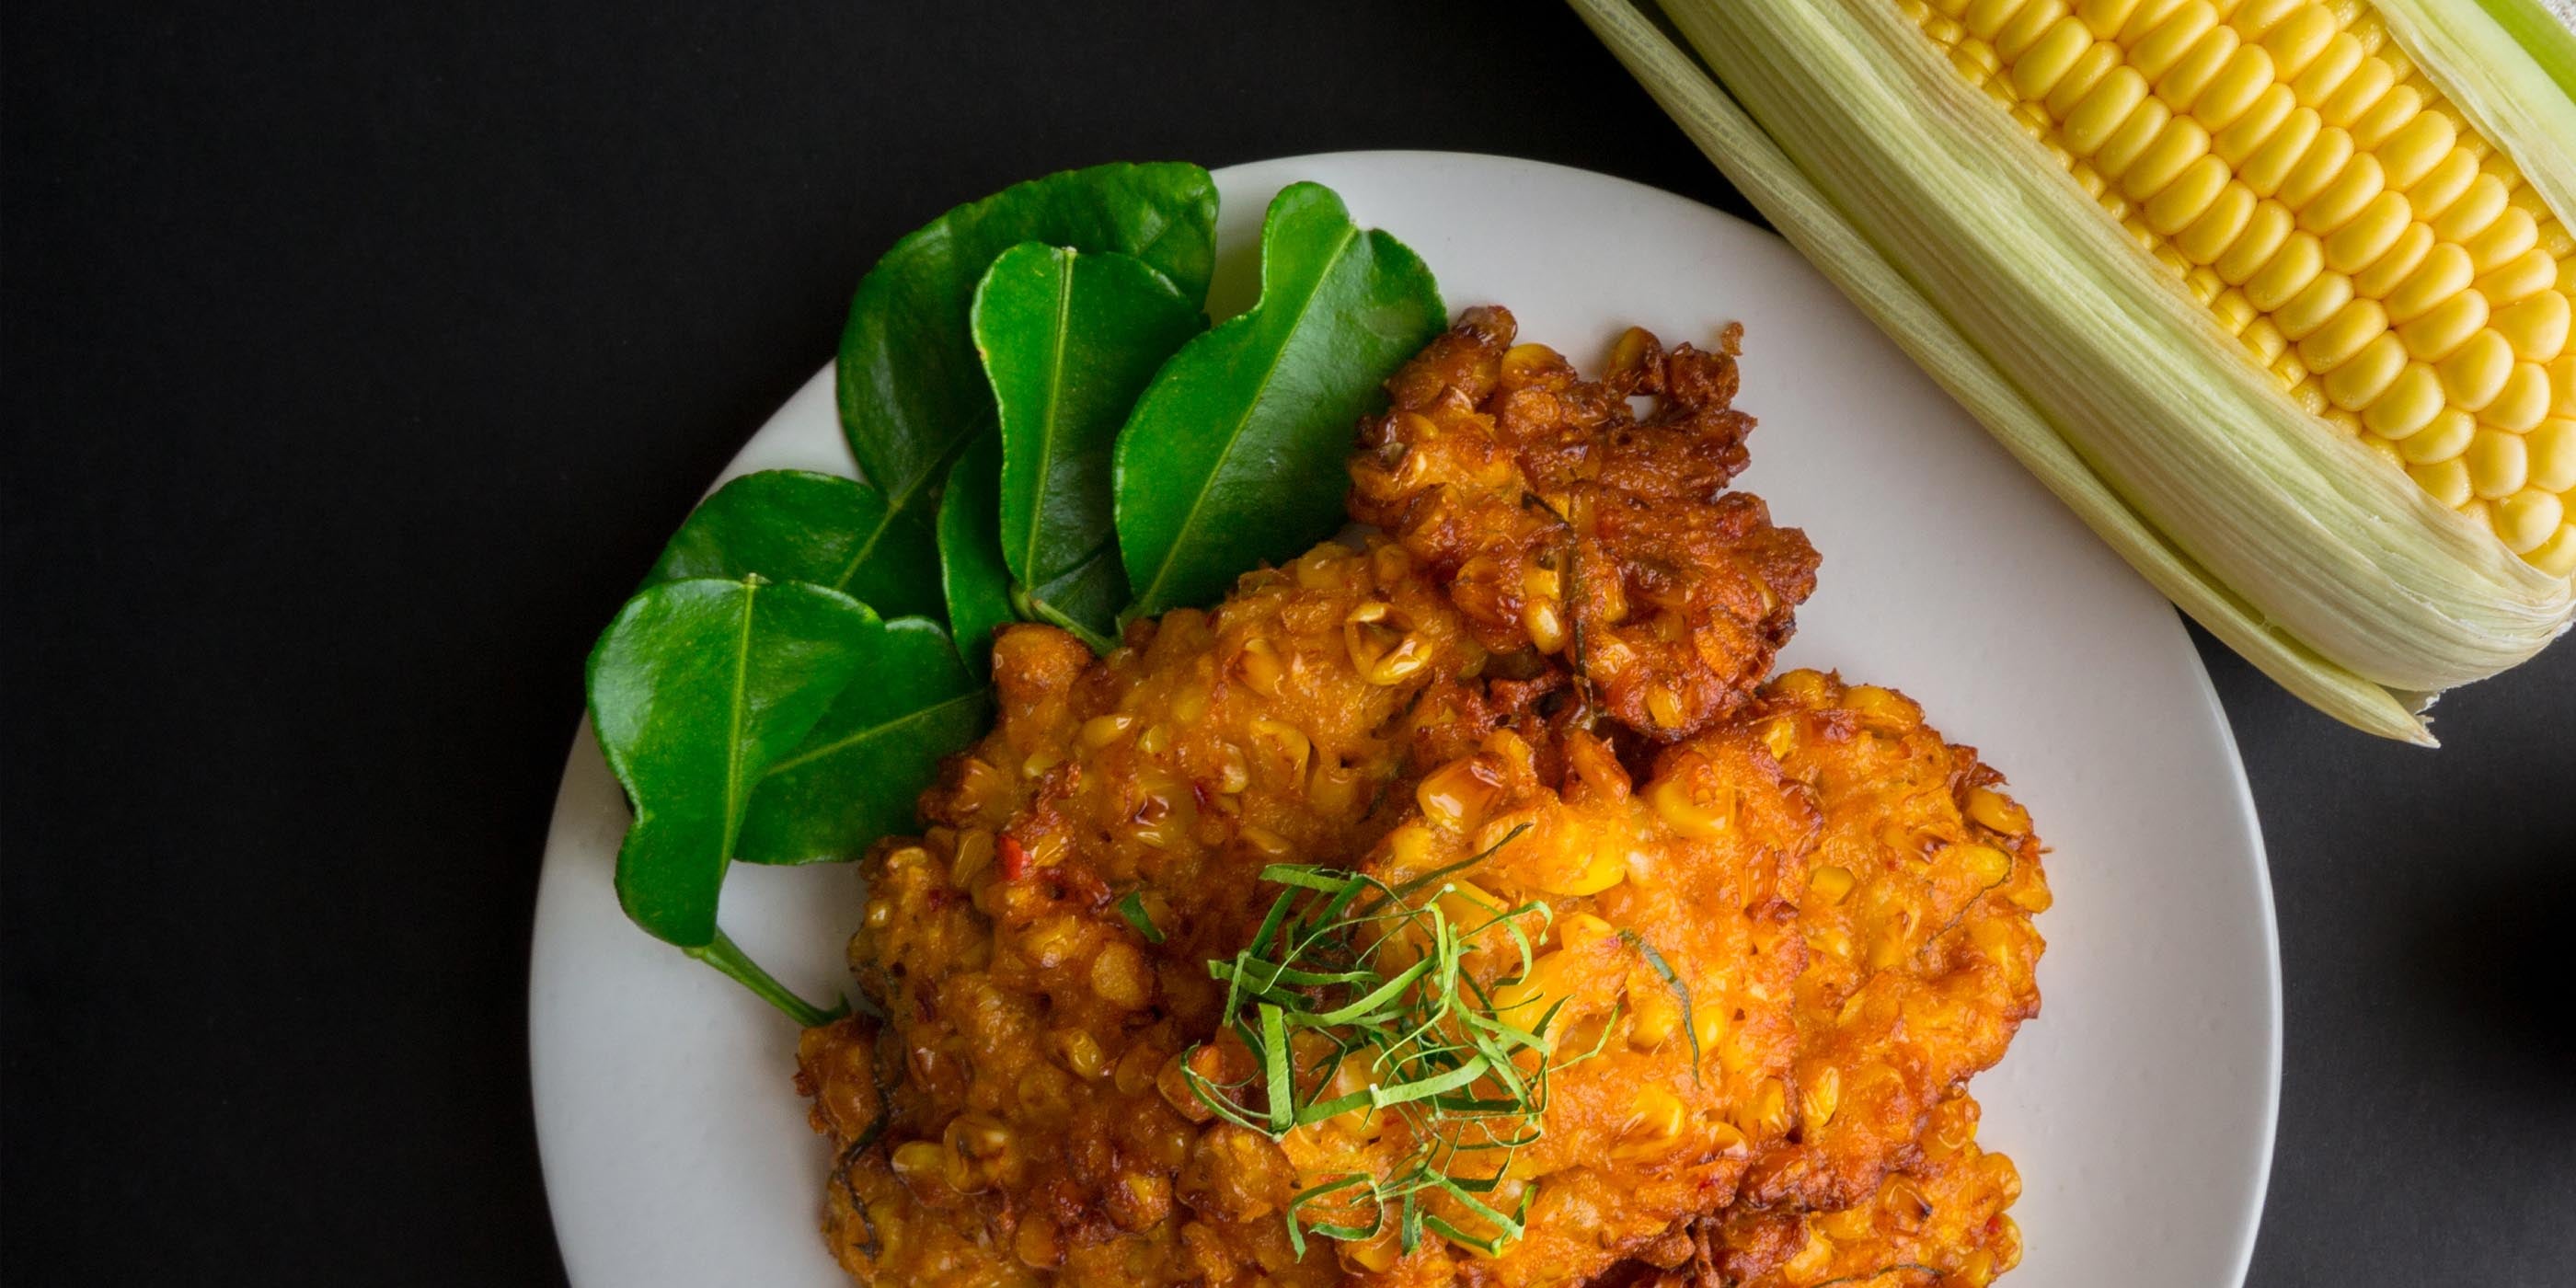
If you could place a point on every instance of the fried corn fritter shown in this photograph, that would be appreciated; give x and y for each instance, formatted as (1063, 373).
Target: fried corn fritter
(1783, 924)
(1938, 1224)
(1011, 1116)
(1563, 523)
(1835, 883)
(1680, 1080)
(1917, 922)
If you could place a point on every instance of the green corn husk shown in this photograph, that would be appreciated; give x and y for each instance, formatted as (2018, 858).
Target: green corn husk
(2333, 574)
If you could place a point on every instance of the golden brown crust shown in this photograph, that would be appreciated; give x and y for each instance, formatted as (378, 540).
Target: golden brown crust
(1032, 1122)
(1659, 1124)
(1917, 921)
(1564, 524)
(1017, 1114)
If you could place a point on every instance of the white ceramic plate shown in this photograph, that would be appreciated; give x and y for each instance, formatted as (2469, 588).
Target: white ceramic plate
(2139, 1107)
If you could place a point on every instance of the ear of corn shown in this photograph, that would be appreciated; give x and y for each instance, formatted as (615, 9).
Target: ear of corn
(2212, 272)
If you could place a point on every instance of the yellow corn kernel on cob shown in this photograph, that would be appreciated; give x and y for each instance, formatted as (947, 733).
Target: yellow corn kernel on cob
(2275, 294)
(2298, 167)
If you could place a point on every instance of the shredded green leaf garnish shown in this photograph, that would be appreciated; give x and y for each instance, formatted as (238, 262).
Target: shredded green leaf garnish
(1349, 974)
(1680, 987)
(1133, 909)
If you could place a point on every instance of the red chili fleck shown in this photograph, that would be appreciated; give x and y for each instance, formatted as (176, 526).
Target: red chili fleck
(1201, 792)
(1015, 857)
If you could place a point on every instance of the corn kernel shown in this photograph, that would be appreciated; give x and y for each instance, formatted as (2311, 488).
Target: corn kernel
(2537, 327)
(2286, 273)
(2551, 450)
(2446, 481)
(2527, 518)
(2445, 272)
(2519, 278)
(2265, 341)
(2343, 198)
(2220, 225)
(2523, 402)
(2473, 212)
(2234, 88)
(2497, 465)
(2369, 81)
(2411, 152)
(2187, 196)
(1664, 706)
(2157, 47)
(2441, 188)
(1260, 667)
(1764, 1113)
(1822, 1095)
(1830, 884)
(1883, 708)
(2372, 232)
(2557, 556)
(2442, 330)
(2474, 374)
(2513, 232)
(1100, 731)
(1998, 812)
(2366, 375)
(1037, 1243)
(2326, 161)
(2355, 324)
(2407, 405)
(2088, 70)
(920, 1162)
(2315, 306)
(2394, 109)
(1456, 795)
(1582, 864)
(2444, 439)
(2266, 232)
(1985, 864)
(2327, 72)
(2397, 263)
(1284, 746)
(2093, 122)
(2273, 107)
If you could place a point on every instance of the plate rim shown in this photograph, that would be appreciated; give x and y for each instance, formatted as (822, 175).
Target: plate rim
(2270, 995)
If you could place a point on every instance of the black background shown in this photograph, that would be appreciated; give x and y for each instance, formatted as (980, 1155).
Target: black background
(359, 356)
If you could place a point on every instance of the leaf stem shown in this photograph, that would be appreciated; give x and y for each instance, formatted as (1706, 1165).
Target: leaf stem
(729, 959)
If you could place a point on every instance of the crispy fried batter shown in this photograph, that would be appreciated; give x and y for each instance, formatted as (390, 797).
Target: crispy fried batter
(1030, 1022)
(1560, 633)
(1563, 523)
(1640, 1136)
(1938, 1224)
(1917, 921)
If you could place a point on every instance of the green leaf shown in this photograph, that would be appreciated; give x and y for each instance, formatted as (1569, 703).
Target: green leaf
(971, 571)
(1069, 340)
(911, 390)
(1674, 981)
(856, 776)
(1132, 907)
(695, 689)
(1234, 456)
(796, 525)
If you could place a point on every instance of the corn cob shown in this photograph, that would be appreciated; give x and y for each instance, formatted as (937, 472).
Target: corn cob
(2296, 173)
(2267, 272)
